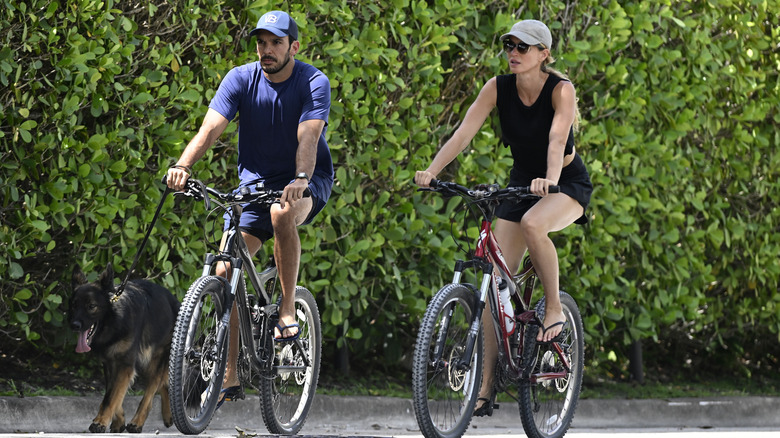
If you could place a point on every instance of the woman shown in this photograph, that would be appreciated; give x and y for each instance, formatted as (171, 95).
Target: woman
(537, 108)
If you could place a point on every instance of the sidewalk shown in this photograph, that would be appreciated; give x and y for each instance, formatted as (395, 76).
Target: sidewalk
(386, 416)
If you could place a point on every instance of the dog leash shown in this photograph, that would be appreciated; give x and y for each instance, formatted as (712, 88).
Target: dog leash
(121, 287)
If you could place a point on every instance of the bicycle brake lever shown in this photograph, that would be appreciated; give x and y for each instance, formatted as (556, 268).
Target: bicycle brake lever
(205, 195)
(197, 190)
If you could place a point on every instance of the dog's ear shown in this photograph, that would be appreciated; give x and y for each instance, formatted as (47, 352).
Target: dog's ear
(78, 277)
(107, 278)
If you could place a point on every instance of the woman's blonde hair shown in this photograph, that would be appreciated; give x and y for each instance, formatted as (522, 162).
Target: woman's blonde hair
(547, 69)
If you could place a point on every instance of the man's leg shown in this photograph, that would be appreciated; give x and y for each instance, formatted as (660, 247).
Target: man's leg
(231, 377)
(287, 253)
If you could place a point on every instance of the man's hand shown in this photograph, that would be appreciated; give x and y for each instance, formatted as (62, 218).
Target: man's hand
(293, 191)
(177, 178)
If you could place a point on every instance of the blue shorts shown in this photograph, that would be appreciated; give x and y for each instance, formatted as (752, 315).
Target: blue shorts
(256, 218)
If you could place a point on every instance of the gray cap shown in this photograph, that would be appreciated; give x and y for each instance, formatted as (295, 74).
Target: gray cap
(531, 32)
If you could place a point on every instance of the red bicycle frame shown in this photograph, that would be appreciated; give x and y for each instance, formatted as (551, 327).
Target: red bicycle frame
(488, 250)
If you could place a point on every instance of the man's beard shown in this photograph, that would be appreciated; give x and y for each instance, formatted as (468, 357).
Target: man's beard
(273, 70)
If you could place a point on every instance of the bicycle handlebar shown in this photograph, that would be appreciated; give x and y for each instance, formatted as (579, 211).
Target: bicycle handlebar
(199, 191)
(486, 192)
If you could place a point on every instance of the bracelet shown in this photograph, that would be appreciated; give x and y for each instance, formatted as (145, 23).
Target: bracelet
(185, 168)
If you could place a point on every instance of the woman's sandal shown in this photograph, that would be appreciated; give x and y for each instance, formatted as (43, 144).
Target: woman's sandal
(558, 337)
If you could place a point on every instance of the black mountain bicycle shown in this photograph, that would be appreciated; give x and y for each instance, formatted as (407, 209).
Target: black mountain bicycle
(284, 373)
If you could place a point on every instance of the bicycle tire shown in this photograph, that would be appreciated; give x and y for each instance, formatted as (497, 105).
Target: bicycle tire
(197, 363)
(547, 407)
(286, 396)
(444, 396)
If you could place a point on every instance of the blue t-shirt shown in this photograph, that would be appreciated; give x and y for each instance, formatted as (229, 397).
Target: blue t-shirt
(268, 122)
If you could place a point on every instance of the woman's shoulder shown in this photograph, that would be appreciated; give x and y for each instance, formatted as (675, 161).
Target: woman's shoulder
(555, 81)
(503, 82)
(505, 79)
(555, 85)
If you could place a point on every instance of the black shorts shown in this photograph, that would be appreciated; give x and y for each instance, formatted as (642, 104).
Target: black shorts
(574, 182)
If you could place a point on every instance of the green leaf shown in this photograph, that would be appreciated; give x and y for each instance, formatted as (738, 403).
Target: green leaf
(118, 167)
(23, 295)
(15, 271)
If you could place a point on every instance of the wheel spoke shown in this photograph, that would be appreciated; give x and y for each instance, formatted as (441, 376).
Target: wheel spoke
(444, 395)
(549, 397)
(196, 368)
(288, 389)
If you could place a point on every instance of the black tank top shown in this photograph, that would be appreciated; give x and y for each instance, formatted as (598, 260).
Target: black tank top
(526, 129)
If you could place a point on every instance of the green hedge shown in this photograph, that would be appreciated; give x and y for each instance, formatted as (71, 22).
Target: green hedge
(680, 108)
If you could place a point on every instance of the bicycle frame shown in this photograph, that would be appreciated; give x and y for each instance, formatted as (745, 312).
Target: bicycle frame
(449, 365)
(490, 260)
(283, 371)
(235, 244)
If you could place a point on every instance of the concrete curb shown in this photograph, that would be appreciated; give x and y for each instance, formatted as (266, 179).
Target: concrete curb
(395, 416)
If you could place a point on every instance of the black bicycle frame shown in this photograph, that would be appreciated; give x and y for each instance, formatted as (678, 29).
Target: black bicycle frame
(234, 243)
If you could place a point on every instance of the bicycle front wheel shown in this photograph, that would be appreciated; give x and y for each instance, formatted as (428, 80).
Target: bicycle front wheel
(445, 384)
(197, 360)
(549, 396)
(286, 393)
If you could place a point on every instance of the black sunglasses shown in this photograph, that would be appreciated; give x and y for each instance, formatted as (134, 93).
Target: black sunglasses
(521, 47)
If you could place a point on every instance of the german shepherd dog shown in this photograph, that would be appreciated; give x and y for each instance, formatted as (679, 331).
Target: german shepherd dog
(132, 336)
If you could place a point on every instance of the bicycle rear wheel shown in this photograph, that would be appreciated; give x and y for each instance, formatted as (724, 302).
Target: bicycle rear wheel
(287, 393)
(197, 360)
(444, 394)
(547, 405)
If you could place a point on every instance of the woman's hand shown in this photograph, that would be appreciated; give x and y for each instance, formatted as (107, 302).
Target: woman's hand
(423, 178)
(539, 186)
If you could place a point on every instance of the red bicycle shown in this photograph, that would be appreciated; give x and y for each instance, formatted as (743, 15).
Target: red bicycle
(447, 363)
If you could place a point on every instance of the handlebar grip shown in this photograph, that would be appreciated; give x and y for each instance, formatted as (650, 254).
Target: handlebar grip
(434, 183)
(526, 190)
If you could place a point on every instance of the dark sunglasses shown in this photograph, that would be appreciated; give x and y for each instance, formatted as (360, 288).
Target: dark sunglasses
(521, 47)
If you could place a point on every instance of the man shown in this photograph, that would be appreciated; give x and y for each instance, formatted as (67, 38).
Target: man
(284, 106)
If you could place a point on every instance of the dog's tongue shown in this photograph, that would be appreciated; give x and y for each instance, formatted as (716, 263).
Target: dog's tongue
(82, 346)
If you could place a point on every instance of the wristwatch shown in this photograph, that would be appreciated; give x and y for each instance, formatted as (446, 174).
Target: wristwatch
(302, 175)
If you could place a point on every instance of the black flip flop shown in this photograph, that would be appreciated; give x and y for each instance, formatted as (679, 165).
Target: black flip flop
(287, 338)
(557, 338)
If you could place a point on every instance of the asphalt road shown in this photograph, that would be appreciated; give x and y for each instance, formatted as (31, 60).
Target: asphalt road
(391, 417)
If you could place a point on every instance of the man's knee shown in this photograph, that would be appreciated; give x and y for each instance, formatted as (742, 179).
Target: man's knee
(222, 269)
(282, 219)
(292, 216)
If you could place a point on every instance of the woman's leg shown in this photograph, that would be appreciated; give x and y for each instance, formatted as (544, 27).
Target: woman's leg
(510, 241)
(552, 213)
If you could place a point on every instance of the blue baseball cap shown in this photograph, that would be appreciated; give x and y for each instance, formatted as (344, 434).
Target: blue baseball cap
(278, 23)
